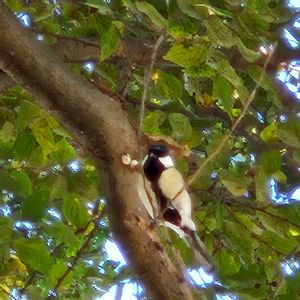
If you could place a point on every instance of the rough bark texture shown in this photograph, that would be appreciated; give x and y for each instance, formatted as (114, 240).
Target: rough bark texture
(103, 125)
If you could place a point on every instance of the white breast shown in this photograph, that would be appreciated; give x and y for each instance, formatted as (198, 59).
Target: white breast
(171, 182)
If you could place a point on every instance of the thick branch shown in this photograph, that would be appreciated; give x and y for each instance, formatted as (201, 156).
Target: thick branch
(101, 122)
(5, 82)
(73, 49)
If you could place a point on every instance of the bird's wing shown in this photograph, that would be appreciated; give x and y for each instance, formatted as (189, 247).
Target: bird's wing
(147, 196)
(182, 202)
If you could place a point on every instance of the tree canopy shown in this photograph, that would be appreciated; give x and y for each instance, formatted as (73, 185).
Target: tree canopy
(83, 83)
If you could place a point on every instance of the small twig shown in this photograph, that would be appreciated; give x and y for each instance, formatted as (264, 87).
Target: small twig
(119, 291)
(70, 38)
(59, 246)
(278, 288)
(78, 255)
(81, 250)
(236, 123)
(147, 78)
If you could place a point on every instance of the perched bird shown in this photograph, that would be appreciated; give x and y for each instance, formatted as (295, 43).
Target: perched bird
(170, 201)
(173, 200)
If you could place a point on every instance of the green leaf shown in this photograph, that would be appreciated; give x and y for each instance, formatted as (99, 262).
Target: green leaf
(273, 224)
(109, 73)
(240, 240)
(219, 33)
(181, 127)
(252, 24)
(235, 183)
(220, 211)
(296, 156)
(6, 229)
(289, 132)
(270, 134)
(258, 74)
(153, 121)
(293, 284)
(227, 263)
(200, 71)
(285, 246)
(15, 181)
(152, 14)
(248, 54)
(43, 135)
(226, 70)
(261, 185)
(168, 85)
(188, 9)
(6, 182)
(214, 11)
(75, 211)
(271, 161)
(24, 145)
(55, 273)
(65, 152)
(221, 159)
(27, 114)
(186, 57)
(109, 42)
(59, 188)
(101, 6)
(7, 132)
(223, 90)
(182, 28)
(37, 157)
(248, 223)
(204, 180)
(35, 205)
(34, 253)
(183, 247)
(63, 233)
(14, 5)
(22, 183)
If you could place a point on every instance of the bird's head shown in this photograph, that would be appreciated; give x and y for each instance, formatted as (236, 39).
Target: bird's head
(158, 151)
(162, 154)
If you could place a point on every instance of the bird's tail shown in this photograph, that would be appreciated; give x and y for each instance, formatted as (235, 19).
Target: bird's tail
(201, 255)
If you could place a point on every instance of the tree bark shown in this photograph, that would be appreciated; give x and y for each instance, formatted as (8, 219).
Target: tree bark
(103, 125)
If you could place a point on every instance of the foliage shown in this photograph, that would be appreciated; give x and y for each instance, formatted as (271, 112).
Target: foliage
(209, 64)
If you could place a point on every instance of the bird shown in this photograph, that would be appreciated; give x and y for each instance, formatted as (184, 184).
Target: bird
(169, 198)
(168, 186)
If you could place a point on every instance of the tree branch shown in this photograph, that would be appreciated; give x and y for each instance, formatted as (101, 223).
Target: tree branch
(78, 255)
(99, 122)
(235, 124)
(147, 78)
(5, 82)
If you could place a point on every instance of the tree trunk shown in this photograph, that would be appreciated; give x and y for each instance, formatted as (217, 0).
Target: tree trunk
(103, 126)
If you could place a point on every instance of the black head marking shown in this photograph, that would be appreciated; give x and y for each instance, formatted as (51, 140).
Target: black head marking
(153, 166)
(159, 150)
